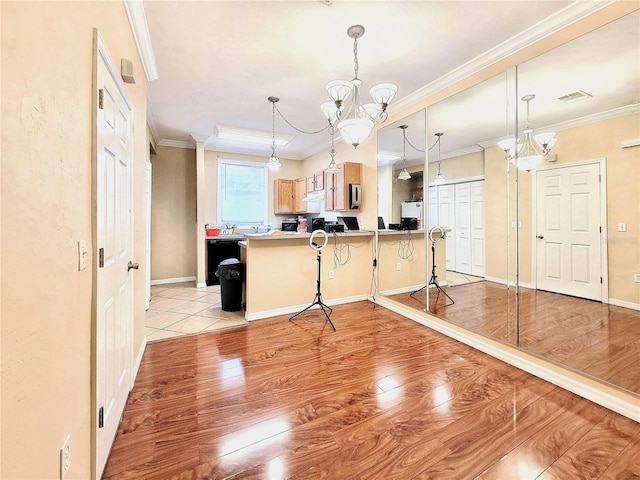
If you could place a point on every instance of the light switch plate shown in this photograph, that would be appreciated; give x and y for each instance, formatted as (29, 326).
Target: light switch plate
(622, 227)
(82, 255)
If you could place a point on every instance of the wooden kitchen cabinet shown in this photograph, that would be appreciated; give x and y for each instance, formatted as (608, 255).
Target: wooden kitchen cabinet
(318, 181)
(284, 196)
(315, 182)
(299, 192)
(336, 186)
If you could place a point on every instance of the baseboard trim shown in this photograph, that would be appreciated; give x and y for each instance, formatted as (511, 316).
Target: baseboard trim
(624, 303)
(163, 281)
(201, 284)
(615, 399)
(297, 308)
(412, 288)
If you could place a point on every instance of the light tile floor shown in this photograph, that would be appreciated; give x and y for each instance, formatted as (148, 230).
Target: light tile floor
(179, 309)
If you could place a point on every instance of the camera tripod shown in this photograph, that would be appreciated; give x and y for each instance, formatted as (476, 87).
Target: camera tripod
(434, 278)
(318, 298)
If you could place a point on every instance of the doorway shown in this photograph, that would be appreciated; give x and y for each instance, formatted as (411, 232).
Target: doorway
(112, 246)
(570, 244)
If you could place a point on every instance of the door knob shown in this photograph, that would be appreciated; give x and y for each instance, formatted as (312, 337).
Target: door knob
(540, 237)
(131, 265)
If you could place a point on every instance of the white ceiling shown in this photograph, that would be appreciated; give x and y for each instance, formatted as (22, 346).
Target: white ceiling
(218, 61)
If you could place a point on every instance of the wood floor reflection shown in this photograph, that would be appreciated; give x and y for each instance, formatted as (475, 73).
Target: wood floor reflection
(599, 339)
(381, 398)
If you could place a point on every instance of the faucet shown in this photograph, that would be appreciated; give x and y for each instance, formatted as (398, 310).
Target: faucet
(255, 229)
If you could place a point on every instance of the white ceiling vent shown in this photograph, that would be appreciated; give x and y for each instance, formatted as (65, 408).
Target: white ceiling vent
(574, 96)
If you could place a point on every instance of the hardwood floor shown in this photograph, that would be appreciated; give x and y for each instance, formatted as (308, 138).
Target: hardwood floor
(381, 398)
(599, 339)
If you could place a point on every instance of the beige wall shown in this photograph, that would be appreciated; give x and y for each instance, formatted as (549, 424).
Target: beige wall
(173, 213)
(46, 208)
(464, 166)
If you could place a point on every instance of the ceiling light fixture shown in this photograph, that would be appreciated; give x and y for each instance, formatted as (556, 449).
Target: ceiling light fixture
(404, 175)
(525, 154)
(257, 137)
(274, 162)
(439, 180)
(355, 119)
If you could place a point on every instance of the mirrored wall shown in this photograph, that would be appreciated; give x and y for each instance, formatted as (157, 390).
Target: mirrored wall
(538, 257)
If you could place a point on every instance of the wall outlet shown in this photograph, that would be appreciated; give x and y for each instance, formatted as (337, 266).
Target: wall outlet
(331, 274)
(636, 277)
(65, 457)
(398, 266)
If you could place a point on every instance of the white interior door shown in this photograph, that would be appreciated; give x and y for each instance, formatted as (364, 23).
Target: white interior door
(147, 247)
(463, 227)
(447, 218)
(477, 228)
(568, 231)
(113, 242)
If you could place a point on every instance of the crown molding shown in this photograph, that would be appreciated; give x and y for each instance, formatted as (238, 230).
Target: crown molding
(577, 122)
(177, 144)
(562, 19)
(140, 29)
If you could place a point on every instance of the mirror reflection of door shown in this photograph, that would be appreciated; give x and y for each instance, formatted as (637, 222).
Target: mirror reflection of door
(568, 230)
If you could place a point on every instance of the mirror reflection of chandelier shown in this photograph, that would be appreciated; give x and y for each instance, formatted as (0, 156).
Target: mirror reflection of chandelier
(356, 120)
(531, 149)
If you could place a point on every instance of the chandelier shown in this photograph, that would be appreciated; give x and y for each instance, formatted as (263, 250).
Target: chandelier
(529, 152)
(404, 175)
(356, 120)
(274, 162)
(439, 180)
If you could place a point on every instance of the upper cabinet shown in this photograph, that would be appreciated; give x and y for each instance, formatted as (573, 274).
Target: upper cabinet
(336, 187)
(283, 196)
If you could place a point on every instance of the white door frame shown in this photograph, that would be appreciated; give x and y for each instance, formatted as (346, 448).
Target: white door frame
(604, 262)
(101, 54)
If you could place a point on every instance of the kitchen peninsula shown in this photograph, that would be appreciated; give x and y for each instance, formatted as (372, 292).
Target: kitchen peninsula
(281, 271)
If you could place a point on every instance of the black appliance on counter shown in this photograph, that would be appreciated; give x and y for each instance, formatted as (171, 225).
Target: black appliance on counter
(407, 223)
(217, 251)
(333, 227)
(315, 223)
(289, 226)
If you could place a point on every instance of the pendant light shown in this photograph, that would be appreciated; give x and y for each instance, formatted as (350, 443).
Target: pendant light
(332, 168)
(274, 162)
(439, 180)
(404, 175)
(356, 120)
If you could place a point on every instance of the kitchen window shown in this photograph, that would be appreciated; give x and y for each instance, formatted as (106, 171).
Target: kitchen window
(242, 193)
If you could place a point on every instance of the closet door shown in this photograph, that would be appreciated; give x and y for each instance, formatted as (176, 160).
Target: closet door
(446, 215)
(477, 229)
(463, 228)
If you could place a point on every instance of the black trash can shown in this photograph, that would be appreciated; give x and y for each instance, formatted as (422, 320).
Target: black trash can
(230, 273)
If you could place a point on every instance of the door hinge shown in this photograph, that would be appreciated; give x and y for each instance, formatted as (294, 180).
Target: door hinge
(101, 417)
(600, 229)
(101, 258)
(600, 279)
(101, 99)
